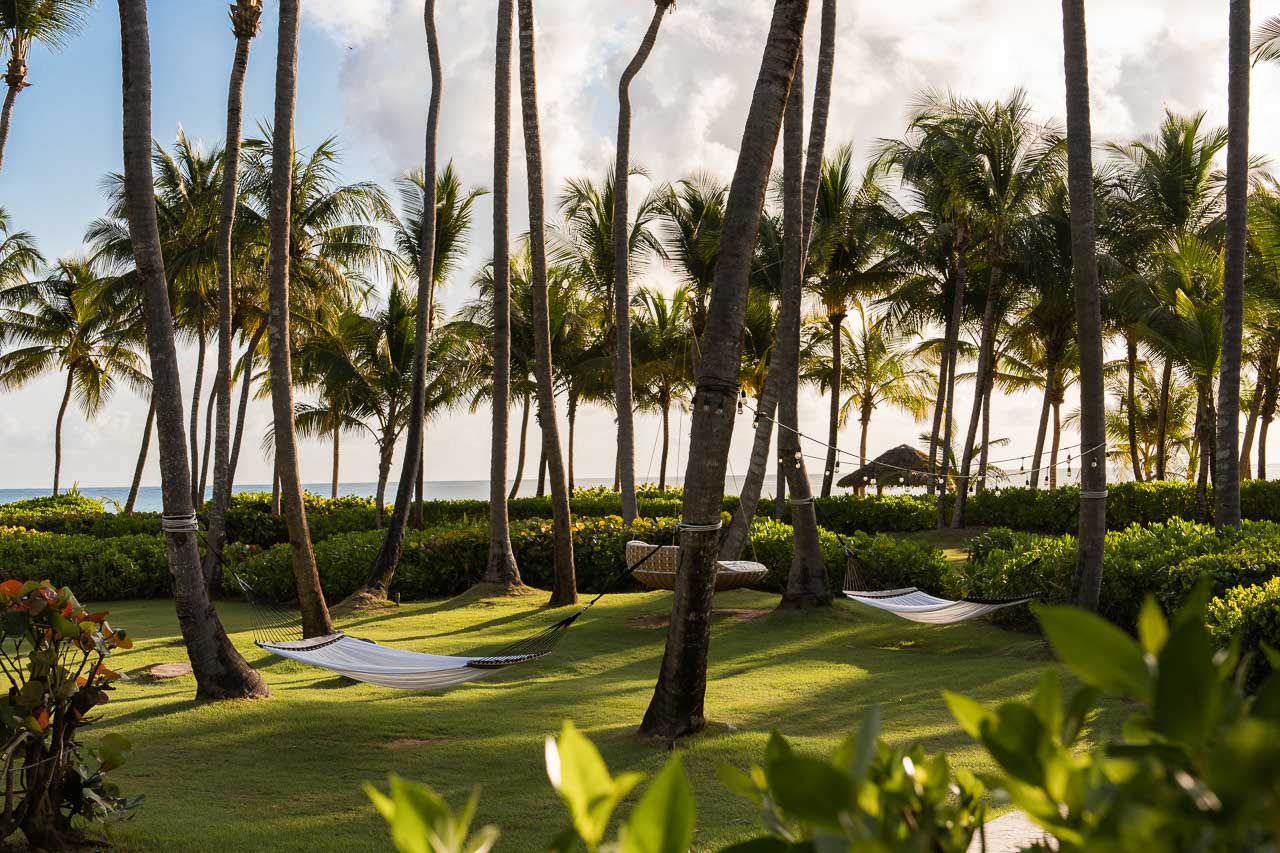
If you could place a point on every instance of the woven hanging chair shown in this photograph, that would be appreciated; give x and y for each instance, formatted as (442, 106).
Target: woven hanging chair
(660, 571)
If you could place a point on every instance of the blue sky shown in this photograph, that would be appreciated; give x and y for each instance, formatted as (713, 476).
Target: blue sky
(362, 77)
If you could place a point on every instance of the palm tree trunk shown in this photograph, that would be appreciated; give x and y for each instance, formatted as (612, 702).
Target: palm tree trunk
(521, 448)
(315, 614)
(420, 489)
(622, 270)
(245, 18)
(57, 430)
(195, 413)
(1268, 411)
(564, 590)
(864, 422)
(833, 424)
(386, 451)
(275, 489)
(982, 379)
(1087, 581)
(15, 77)
(749, 495)
(951, 354)
(780, 483)
(501, 568)
(1050, 379)
(1131, 413)
(666, 442)
(542, 474)
(985, 453)
(807, 580)
(573, 422)
(1056, 443)
(1226, 484)
(208, 444)
(246, 377)
(1162, 421)
(938, 408)
(676, 708)
(337, 456)
(1251, 425)
(384, 566)
(220, 671)
(142, 458)
(1204, 432)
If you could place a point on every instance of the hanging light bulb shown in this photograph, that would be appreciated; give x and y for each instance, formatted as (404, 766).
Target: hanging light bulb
(1022, 469)
(742, 398)
(799, 456)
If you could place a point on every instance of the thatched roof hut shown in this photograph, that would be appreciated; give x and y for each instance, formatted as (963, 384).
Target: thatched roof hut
(901, 466)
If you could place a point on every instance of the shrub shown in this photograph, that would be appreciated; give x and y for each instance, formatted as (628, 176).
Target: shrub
(74, 513)
(1251, 613)
(866, 795)
(449, 559)
(54, 661)
(102, 569)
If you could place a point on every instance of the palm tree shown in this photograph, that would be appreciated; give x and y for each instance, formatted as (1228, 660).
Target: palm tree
(1226, 484)
(676, 707)
(19, 257)
(564, 589)
(662, 351)
(328, 361)
(246, 16)
(878, 369)
(385, 563)
(22, 22)
(851, 261)
(1005, 168)
(1168, 187)
(692, 212)
(501, 568)
(1145, 419)
(220, 671)
(65, 326)
(622, 264)
(315, 615)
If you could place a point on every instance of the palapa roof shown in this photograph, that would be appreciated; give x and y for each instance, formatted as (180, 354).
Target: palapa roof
(901, 466)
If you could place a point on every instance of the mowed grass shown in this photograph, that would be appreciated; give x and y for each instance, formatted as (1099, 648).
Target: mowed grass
(287, 773)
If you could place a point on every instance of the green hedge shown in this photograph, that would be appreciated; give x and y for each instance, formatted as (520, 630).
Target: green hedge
(446, 561)
(100, 569)
(1164, 560)
(1253, 614)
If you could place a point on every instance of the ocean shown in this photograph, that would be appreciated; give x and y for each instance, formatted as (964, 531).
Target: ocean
(149, 497)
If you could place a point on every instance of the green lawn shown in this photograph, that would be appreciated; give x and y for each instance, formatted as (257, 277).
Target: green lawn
(286, 773)
(954, 544)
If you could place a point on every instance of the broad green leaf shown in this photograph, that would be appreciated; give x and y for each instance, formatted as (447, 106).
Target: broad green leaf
(1153, 629)
(1082, 703)
(738, 782)
(1188, 686)
(811, 790)
(1097, 651)
(579, 774)
(662, 822)
(970, 714)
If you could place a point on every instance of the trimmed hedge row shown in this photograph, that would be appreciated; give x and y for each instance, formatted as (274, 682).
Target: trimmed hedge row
(1165, 560)
(446, 561)
(99, 569)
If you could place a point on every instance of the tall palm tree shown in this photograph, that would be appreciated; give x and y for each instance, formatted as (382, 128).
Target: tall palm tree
(1007, 166)
(1168, 187)
(662, 363)
(220, 671)
(328, 361)
(1146, 404)
(1226, 485)
(19, 257)
(315, 615)
(246, 16)
(692, 213)
(676, 708)
(501, 568)
(565, 588)
(622, 264)
(385, 563)
(64, 326)
(23, 22)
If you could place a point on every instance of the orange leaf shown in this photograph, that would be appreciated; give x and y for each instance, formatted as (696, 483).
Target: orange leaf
(11, 588)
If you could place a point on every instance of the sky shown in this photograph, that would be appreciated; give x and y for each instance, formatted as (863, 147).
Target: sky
(363, 78)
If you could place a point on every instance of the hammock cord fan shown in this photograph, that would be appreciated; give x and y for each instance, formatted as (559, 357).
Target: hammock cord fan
(915, 604)
(279, 631)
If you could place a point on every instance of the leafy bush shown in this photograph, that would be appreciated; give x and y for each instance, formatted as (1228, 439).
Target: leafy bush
(102, 569)
(865, 796)
(1197, 767)
(54, 661)
(72, 512)
(1251, 613)
(449, 559)
(1165, 560)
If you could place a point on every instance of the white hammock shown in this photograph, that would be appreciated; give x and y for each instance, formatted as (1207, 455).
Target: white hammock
(911, 603)
(367, 661)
